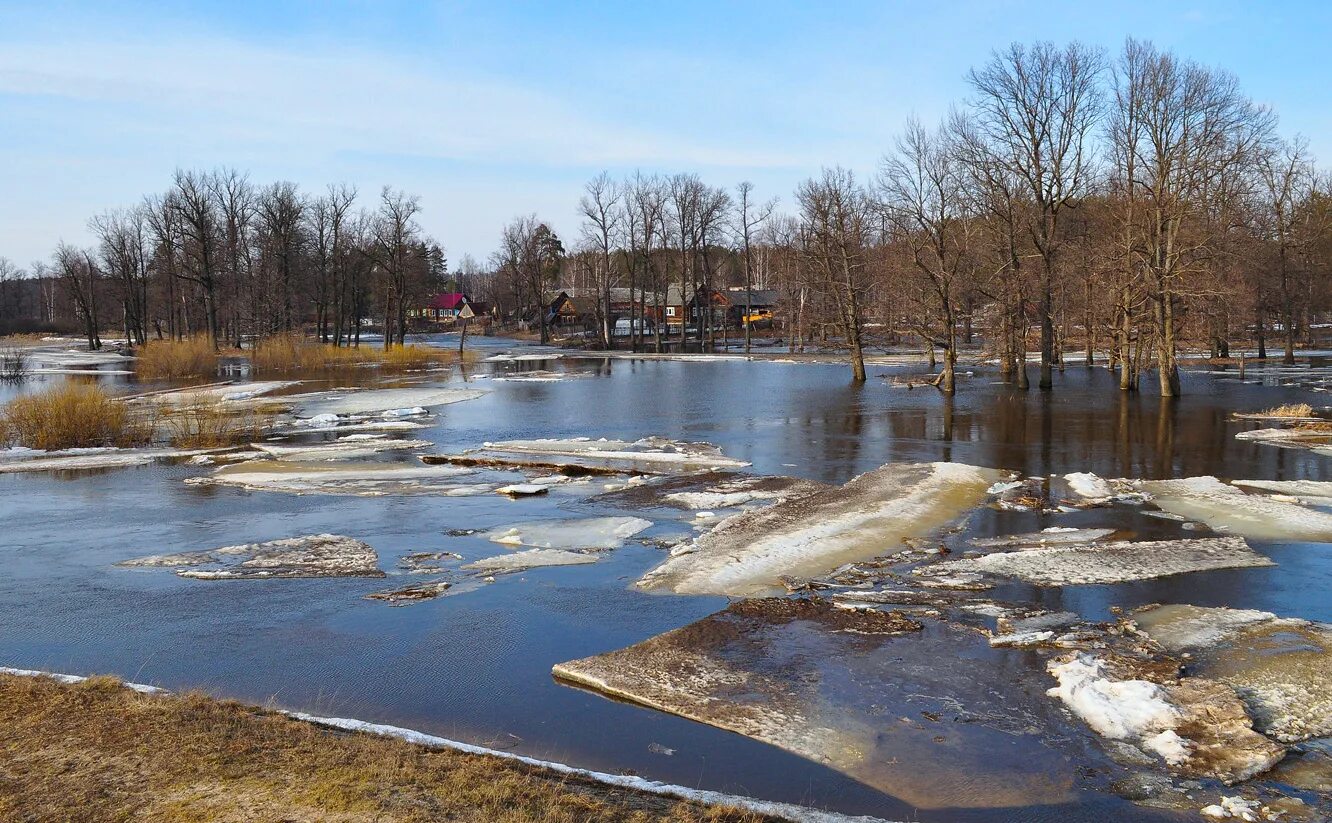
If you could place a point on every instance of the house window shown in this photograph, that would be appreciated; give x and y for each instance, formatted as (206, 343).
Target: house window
(670, 311)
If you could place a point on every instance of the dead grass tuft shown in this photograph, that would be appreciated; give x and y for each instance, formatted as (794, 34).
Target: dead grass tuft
(97, 751)
(296, 353)
(72, 415)
(207, 424)
(174, 359)
(1289, 410)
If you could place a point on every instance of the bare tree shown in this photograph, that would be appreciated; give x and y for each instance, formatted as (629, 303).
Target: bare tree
(749, 220)
(1036, 108)
(833, 209)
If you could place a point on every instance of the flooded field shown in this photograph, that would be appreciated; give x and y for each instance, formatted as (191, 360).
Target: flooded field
(441, 594)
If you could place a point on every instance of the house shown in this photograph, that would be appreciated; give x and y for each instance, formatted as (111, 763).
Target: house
(761, 303)
(444, 307)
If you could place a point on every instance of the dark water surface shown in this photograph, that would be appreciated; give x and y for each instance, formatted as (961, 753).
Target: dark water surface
(476, 666)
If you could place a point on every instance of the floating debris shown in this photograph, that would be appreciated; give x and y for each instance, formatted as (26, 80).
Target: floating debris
(1104, 563)
(808, 536)
(315, 555)
(414, 593)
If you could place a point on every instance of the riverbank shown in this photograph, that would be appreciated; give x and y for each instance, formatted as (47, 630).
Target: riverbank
(97, 750)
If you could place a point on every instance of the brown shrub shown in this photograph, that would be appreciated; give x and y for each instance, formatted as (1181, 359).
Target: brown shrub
(174, 359)
(72, 415)
(293, 352)
(207, 424)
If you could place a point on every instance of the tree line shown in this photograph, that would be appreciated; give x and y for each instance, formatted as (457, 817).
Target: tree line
(219, 255)
(1129, 204)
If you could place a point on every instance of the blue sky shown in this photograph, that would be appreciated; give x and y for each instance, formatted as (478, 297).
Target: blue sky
(491, 109)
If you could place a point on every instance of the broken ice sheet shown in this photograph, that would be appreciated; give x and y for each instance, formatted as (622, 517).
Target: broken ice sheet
(1052, 536)
(808, 536)
(1280, 667)
(529, 559)
(1227, 509)
(88, 459)
(315, 555)
(648, 455)
(365, 479)
(1106, 563)
(347, 448)
(578, 533)
(376, 401)
(709, 490)
(916, 714)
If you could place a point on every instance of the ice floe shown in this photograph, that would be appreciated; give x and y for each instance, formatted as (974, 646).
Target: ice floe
(863, 691)
(1225, 508)
(807, 536)
(649, 454)
(708, 490)
(393, 402)
(87, 459)
(413, 593)
(1109, 562)
(1053, 536)
(331, 477)
(601, 533)
(529, 559)
(1280, 667)
(315, 555)
(347, 448)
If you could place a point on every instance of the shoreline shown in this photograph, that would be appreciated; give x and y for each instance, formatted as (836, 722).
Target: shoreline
(547, 786)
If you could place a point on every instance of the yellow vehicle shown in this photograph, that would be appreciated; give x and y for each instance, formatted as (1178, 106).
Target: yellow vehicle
(758, 316)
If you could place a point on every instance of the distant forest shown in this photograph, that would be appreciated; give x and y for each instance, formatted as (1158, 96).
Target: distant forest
(1122, 205)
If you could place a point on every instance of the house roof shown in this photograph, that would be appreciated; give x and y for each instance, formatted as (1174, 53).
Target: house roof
(447, 300)
(757, 297)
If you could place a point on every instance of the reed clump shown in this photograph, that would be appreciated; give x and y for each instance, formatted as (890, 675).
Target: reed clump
(72, 415)
(1290, 410)
(208, 424)
(175, 359)
(293, 352)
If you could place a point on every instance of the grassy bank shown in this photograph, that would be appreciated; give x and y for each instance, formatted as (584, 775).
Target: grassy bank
(97, 751)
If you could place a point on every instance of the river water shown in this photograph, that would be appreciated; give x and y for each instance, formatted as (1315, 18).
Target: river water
(476, 666)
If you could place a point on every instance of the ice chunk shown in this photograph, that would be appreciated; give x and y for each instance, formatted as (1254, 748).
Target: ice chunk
(366, 479)
(82, 460)
(1089, 486)
(1280, 667)
(650, 454)
(315, 555)
(378, 401)
(1114, 562)
(811, 535)
(581, 533)
(1228, 509)
(529, 559)
(345, 449)
(857, 690)
(1049, 537)
(1117, 709)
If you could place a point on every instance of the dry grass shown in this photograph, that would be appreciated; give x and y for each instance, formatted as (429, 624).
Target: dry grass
(97, 751)
(296, 353)
(72, 415)
(1289, 410)
(174, 359)
(207, 424)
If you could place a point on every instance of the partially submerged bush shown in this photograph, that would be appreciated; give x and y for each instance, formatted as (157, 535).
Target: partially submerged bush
(206, 424)
(71, 415)
(1290, 410)
(13, 364)
(293, 352)
(174, 359)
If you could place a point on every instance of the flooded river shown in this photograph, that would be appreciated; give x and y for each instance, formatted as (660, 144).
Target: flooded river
(476, 666)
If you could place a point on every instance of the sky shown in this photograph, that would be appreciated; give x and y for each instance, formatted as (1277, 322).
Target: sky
(488, 110)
